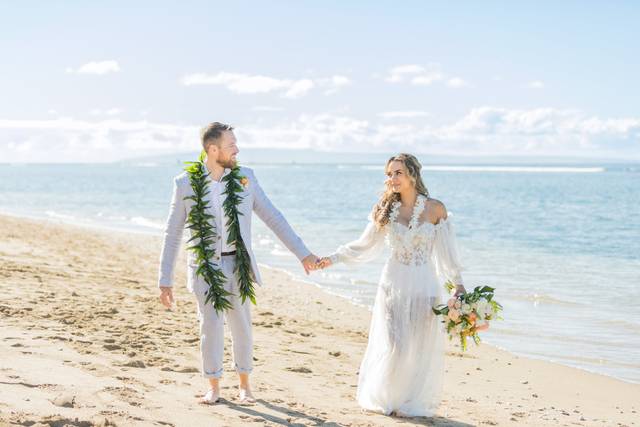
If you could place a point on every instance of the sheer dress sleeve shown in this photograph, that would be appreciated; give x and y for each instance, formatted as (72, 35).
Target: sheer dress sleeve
(445, 252)
(365, 248)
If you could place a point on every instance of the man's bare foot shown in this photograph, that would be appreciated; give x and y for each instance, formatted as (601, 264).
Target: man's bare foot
(246, 396)
(210, 397)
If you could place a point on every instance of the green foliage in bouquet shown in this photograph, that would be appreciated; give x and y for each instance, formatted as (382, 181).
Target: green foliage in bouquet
(470, 313)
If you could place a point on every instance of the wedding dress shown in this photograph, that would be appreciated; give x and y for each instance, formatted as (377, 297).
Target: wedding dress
(403, 366)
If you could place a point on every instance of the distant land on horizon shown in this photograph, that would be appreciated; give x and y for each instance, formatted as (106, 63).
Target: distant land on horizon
(284, 156)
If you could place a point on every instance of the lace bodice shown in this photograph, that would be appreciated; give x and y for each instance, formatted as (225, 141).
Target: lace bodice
(410, 244)
(414, 244)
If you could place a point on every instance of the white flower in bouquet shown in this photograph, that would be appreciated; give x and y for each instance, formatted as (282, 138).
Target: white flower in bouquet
(483, 308)
(466, 308)
(464, 316)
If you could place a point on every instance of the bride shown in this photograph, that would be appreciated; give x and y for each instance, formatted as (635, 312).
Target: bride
(403, 367)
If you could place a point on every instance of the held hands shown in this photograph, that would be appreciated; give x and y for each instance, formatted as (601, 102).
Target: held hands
(324, 262)
(312, 262)
(309, 263)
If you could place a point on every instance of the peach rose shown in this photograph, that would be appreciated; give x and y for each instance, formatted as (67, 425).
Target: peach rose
(454, 314)
(482, 327)
(472, 318)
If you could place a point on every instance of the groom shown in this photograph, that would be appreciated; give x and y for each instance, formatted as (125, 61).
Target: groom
(219, 143)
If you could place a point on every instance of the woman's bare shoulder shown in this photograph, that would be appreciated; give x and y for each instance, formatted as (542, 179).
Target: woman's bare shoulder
(435, 209)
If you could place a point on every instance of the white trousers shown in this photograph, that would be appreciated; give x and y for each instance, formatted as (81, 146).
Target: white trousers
(212, 327)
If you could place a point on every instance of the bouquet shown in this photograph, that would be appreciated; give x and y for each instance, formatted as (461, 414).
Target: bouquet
(467, 314)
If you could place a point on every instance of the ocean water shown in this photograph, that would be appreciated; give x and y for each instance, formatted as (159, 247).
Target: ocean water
(560, 243)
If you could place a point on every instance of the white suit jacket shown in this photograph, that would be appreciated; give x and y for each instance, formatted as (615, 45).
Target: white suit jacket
(254, 199)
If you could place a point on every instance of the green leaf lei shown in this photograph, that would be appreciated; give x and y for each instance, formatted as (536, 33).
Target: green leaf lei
(205, 236)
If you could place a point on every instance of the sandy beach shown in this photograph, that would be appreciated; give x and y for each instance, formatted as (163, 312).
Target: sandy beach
(86, 342)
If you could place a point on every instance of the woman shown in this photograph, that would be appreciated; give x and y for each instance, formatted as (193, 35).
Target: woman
(403, 366)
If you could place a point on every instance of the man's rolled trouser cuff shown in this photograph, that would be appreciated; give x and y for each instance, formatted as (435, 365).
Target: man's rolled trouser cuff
(215, 374)
(243, 370)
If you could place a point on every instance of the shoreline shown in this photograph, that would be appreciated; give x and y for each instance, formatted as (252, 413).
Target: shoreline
(96, 226)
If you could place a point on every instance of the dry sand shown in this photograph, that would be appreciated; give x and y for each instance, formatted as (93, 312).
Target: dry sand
(86, 342)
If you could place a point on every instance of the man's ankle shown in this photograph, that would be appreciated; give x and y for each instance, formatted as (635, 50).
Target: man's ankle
(244, 381)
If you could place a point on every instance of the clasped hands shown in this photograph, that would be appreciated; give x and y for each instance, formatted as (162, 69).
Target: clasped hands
(312, 262)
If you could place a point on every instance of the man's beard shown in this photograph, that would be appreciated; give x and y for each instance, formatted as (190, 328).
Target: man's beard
(227, 163)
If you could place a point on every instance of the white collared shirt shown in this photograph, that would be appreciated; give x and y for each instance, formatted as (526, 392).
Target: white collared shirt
(217, 198)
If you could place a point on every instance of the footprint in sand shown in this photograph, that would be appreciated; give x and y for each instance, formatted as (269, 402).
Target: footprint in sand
(65, 401)
(112, 347)
(128, 394)
(134, 364)
(301, 369)
(181, 370)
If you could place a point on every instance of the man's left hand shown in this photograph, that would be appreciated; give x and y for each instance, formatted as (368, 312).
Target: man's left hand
(310, 263)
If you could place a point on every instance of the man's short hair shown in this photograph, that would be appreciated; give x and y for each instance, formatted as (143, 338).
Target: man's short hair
(212, 132)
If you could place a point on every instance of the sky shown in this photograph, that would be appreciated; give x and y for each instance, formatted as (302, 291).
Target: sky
(106, 81)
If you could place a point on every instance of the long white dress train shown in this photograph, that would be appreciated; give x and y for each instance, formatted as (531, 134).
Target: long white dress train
(403, 366)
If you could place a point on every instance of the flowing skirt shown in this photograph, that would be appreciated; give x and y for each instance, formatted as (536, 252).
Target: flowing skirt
(403, 366)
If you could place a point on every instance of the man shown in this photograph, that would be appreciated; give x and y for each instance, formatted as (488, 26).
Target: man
(221, 148)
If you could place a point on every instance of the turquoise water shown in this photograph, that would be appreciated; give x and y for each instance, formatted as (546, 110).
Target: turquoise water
(561, 244)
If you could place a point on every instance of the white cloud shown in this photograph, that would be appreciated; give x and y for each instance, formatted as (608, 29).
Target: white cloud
(108, 112)
(535, 84)
(334, 84)
(71, 140)
(340, 81)
(457, 82)
(299, 88)
(113, 111)
(238, 83)
(266, 108)
(545, 131)
(427, 79)
(420, 75)
(321, 131)
(482, 131)
(97, 68)
(241, 83)
(403, 114)
(399, 73)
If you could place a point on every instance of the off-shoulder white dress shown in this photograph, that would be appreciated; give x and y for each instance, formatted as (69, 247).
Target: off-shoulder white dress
(403, 366)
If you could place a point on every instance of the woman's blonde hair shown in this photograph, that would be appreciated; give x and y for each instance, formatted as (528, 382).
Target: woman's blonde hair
(382, 209)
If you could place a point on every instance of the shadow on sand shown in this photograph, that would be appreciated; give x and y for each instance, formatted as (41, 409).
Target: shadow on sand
(290, 414)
